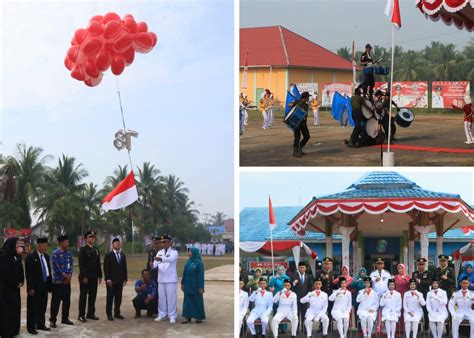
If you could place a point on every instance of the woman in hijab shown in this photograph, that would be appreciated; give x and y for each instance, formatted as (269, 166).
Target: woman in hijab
(192, 285)
(402, 280)
(469, 274)
(12, 279)
(345, 274)
(357, 285)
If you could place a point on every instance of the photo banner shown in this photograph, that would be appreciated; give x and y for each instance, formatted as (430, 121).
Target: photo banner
(446, 93)
(407, 94)
(310, 87)
(24, 237)
(329, 88)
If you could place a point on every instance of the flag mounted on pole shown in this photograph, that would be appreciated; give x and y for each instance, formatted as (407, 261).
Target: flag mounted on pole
(124, 194)
(392, 10)
(246, 70)
(271, 214)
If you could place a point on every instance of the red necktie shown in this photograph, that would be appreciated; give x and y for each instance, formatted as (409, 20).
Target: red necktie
(464, 293)
(263, 292)
(287, 293)
(368, 291)
(318, 292)
(413, 293)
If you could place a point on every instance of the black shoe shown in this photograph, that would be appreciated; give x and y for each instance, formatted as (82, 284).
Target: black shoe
(295, 151)
(302, 152)
(67, 322)
(33, 332)
(198, 321)
(109, 317)
(93, 317)
(298, 153)
(138, 315)
(186, 321)
(82, 319)
(119, 317)
(52, 324)
(43, 328)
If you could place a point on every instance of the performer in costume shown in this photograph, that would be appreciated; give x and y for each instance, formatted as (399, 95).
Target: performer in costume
(460, 307)
(391, 303)
(368, 305)
(263, 106)
(413, 301)
(366, 60)
(315, 108)
(302, 128)
(436, 303)
(468, 111)
(318, 306)
(287, 308)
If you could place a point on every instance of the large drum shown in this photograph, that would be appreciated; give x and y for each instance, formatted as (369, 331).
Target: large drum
(294, 117)
(382, 70)
(367, 112)
(404, 117)
(372, 127)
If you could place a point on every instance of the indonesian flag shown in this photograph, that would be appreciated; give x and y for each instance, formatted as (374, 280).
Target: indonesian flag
(469, 230)
(246, 70)
(392, 10)
(124, 194)
(271, 213)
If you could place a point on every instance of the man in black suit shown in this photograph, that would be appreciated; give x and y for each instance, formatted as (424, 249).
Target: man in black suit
(90, 274)
(301, 286)
(115, 271)
(38, 284)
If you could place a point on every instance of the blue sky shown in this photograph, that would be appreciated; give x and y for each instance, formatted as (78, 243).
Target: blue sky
(297, 189)
(179, 97)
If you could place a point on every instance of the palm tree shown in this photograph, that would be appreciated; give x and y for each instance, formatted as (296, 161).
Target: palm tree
(148, 180)
(219, 218)
(410, 67)
(345, 53)
(111, 181)
(175, 195)
(91, 200)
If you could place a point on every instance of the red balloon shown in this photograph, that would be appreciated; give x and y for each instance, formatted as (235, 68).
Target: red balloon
(73, 52)
(129, 25)
(143, 42)
(103, 60)
(80, 35)
(95, 28)
(97, 18)
(92, 82)
(129, 56)
(154, 38)
(68, 63)
(111, 17)
(118, 64)
(78, 73)
(123, 43)
(91, 69)
(142, 27)
(112, 29)
(92, 47)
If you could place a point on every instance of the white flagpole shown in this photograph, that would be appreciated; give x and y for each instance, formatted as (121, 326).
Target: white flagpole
(353, 65)
(271, 246)
(391, 86)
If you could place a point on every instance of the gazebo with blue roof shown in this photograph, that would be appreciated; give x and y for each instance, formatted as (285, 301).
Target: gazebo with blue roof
(383, 205)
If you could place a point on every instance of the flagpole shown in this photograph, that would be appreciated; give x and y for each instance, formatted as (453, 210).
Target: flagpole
(390, 91)
(271, 245)
(353, 65)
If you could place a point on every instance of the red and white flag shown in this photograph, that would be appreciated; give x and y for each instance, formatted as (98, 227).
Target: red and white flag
(392, 10)
(469, 230)
(124, 194)
(271, 214)
(245, 73)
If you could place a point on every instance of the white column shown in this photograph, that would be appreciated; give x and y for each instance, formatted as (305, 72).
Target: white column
(424, 242)
(329, 246)
(411, 255)
(405, 258)
(346, 240)
(355, 254)
(439, 246)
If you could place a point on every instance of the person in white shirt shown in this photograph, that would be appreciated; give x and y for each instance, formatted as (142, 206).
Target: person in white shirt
(342, 307)
(380, 277)
(436, 302)
(263, 300)
(165, 262)
(460, 306)
(413, 301)
(391, 303)
(243, 302)
(368, 305)
(437, 99)
(318, 306)
(287, 308)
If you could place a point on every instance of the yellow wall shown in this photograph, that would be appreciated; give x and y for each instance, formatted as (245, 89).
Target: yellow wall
(277, 82)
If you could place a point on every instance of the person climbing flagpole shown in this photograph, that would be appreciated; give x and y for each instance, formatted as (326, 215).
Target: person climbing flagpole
(392, 11)
(272, 225)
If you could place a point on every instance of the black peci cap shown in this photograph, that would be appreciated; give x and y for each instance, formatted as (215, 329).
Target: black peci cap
(116, 239)
(62, 238)
(368, 46)
(90, 233)
(41, 240)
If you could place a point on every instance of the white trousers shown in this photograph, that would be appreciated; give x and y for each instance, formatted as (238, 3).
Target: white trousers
(391, 327)
(308, 322)
(457, 321)
(468, 131)
(271, 116)
(167, 298)
(251, 325)
(436, 329)
(367, 324)
(246, 117)
(411, 326)
(316, 116)
(279, 317)
(342, 326)
(265, 119)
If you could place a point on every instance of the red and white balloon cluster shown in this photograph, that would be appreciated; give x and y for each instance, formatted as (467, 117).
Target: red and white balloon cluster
(109, 41)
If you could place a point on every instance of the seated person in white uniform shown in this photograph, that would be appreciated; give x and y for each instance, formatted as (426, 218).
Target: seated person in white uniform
(368, 305)
(391, 303)
(318, 306)
(436, 304)
(412, 309)
(461, 307)
(287, 308)
(243, 302)
(263, 300)
(342, 307)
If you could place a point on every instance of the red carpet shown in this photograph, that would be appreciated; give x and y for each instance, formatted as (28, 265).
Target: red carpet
(430, 149)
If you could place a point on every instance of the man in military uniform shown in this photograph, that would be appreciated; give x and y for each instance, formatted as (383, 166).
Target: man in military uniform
(327, 277)
(445, 275)
(423, 282)
(61, 261)
(156, 246)
(90, 273)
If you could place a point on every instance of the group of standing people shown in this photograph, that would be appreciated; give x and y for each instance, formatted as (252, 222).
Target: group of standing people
(156, 291)
(208, 249)
(376, 297)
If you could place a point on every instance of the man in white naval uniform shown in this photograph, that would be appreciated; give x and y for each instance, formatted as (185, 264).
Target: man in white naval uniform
(436, 302)
(413, 301)
(243, 302)
(368, 305)
(380, 279)
(165, 262)
(460, 306)
(341, 310)
(263, 300)
(318, 306)
(391, 303)
(287, 308)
